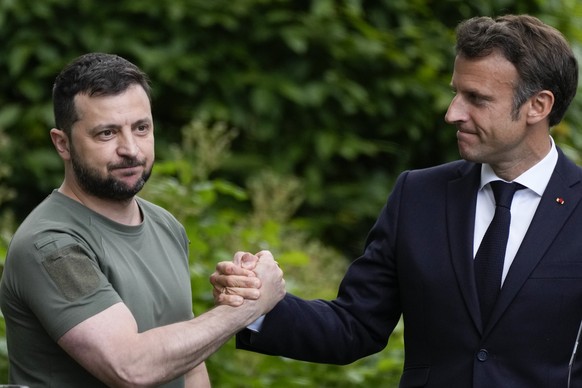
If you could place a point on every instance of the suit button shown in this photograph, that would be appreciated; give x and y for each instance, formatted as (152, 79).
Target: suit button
(482, 355)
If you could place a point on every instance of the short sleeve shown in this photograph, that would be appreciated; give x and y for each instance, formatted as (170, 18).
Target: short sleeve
(60, 280)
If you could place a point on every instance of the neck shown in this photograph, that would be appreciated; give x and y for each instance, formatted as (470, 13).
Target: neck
(525, 159)
(126, 212)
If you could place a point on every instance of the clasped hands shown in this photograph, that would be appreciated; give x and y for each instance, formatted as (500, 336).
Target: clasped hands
(248, 277)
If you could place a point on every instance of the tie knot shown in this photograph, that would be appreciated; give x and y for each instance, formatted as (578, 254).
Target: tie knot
(503, 192)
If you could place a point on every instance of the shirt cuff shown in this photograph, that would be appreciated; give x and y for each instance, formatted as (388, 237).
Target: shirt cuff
(257, 325)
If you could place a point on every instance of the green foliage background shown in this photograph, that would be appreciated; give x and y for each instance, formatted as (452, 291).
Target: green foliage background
(280, 124)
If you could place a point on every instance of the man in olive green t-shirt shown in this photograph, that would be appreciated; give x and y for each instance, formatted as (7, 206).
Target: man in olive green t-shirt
(96, 286)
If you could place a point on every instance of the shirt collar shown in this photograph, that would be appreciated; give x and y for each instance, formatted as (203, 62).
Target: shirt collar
(535, 179)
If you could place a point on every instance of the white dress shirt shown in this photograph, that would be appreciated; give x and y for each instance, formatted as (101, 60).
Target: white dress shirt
(523, 207)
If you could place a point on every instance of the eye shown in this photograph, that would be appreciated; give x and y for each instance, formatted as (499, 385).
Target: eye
(142, 128)
(106, 134)
(476, 99)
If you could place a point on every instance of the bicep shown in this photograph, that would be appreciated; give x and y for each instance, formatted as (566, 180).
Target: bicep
(99, 342)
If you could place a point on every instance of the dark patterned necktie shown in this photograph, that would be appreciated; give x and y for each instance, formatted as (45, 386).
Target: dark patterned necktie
(491, 254)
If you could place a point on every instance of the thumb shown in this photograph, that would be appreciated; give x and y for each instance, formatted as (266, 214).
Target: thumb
(249, 261)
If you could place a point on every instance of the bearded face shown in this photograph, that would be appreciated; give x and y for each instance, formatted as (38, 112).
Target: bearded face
(107, 186)
(111, 146)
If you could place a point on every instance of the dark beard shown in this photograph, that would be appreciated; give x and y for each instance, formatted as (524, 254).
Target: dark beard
(108, 187)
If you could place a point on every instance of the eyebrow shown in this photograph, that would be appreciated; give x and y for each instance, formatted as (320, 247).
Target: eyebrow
(145, 120)
(102, 127)
(472, 91)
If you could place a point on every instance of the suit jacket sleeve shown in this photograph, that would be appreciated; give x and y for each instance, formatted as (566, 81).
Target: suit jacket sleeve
(357, 323)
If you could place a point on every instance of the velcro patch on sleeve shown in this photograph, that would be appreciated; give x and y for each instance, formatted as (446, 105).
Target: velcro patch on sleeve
(72, 271)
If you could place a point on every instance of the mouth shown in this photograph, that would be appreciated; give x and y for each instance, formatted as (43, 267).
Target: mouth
(465, 132)
(467, 138)
(128, 168)
(130, 163)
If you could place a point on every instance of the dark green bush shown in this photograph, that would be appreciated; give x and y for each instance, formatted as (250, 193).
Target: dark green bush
(330, 99)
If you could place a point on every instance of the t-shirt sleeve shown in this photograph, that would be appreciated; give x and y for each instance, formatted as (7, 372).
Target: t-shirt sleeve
(60, 279)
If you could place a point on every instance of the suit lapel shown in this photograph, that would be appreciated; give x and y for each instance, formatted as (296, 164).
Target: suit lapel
(548, 220)
(461, 202)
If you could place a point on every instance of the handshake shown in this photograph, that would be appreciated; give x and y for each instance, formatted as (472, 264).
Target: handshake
(249, 279)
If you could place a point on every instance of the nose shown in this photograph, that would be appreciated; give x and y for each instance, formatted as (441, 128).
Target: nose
(127, 144)
(456, 112)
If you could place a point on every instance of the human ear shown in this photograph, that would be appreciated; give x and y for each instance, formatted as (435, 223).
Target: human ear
(540, 106)
(61, 142)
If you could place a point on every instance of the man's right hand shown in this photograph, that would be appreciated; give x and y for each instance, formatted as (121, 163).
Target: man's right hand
(248, 276)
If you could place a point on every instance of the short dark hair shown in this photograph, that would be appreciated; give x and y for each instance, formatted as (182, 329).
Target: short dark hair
(94, 74)
(539, 52)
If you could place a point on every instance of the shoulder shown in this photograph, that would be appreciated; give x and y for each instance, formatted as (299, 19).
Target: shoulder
(56, 220)
(566, 168)
(442, 173)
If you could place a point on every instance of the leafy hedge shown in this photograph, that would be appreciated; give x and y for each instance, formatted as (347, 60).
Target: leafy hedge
(279, 124)
(342, 94)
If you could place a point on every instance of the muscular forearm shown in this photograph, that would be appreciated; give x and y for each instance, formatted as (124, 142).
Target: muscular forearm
(185, 345)
(120, 356)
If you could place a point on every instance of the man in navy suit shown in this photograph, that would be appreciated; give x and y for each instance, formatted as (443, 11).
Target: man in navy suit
(513, 79)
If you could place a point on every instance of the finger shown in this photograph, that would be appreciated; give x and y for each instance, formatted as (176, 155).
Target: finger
(249, 261)
(234, 296)
(230, 268)
(244, 293)
(266, 258)
(269, 273)
(237, 258)
(220, 281)
(226, 299)
(265, 254)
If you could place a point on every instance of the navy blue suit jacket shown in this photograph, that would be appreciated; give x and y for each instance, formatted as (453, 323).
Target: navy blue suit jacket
(418, 263)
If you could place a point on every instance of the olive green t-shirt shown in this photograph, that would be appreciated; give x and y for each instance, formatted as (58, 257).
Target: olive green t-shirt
(67, 263)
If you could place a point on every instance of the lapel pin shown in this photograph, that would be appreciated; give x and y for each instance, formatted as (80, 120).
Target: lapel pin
(560, 200)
